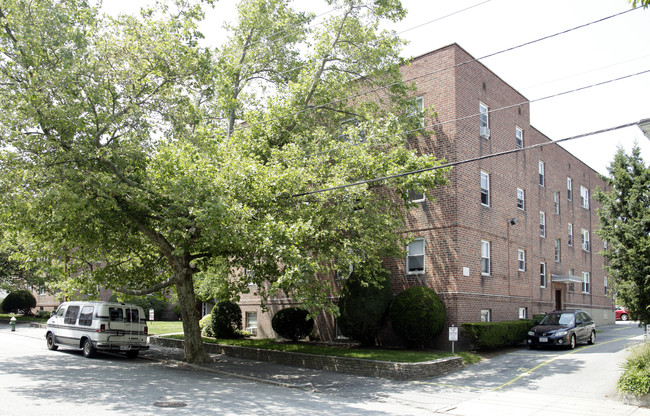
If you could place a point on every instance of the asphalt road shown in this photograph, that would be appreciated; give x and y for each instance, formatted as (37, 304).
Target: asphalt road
(34, 381)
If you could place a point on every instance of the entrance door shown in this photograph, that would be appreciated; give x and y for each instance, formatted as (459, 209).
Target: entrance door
(558, 299)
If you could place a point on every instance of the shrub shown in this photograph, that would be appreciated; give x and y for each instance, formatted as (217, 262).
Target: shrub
(635, 379)
(418, 315)
(158, 305)
(226, 320)
(364, 307)
(537, 318)
(20, 301)
(292, 323)
(205, 324)
(490, 335)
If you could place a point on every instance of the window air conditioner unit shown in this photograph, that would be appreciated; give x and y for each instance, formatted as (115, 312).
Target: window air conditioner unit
(485, 132)
(252, 330)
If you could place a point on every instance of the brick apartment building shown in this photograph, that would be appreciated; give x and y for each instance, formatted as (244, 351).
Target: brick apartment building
(511, 235)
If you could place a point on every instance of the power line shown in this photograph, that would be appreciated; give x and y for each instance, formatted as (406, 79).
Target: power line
(462, 162)
(386, 86)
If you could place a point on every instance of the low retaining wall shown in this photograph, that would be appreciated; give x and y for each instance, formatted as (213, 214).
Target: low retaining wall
(397, 371)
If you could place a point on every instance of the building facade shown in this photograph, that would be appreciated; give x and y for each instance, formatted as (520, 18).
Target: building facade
(511, 235)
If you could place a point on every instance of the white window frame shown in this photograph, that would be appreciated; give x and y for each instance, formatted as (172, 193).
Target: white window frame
(417, 197)
(523, 313)
(584, 197)
(484, 120)
(558, 250)
(542, 275)
(556, 202)
(585, 240)
(569, 189)
(485, 188)
(409, 254)
(521, 260)
(570, 233)
(521, 199)
(519, 137)
(418, 108)
(586, 282)
(606, 285)
(541, 169)
(542, 224)
(486, 315)
(252, 329)
(486, 261)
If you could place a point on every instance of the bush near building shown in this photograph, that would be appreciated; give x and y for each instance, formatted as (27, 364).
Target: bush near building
(491, 335)
(364, 307)
(418, 316)
(226, 320)
(292, 323)
(20, 301)
(205, 324)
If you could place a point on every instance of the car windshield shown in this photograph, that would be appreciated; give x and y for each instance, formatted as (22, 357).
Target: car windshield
(558, 319)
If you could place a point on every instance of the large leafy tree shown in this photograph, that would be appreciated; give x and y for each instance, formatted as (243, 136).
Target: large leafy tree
(133, 158)
(625, 225)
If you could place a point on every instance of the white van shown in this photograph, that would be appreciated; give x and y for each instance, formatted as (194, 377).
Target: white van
(104, 326)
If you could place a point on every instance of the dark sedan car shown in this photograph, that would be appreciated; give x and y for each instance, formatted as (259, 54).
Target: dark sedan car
(563, 328)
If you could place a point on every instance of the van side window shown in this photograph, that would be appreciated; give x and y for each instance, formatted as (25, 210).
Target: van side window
(86, 316)
(71, 315)
(61, 311)
(116, 314)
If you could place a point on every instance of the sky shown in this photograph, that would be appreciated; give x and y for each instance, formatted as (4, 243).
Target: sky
(596, 54)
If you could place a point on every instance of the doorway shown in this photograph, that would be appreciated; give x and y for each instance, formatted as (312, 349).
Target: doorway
(558, 299)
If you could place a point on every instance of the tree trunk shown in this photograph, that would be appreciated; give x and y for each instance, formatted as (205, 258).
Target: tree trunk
(193, 345)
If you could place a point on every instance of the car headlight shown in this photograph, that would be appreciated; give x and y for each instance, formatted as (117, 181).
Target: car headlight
(531, 333)
(560, 333)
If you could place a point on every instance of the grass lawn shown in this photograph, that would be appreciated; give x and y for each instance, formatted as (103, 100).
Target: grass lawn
(379, 354)
(164, 327)
(21, 318)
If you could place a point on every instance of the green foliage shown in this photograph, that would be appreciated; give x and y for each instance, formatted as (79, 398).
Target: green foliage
(205, 324)
(418, 315)
(364, 306)
(635, 379)
(625, 225)
(537, 317)
(644, 3)
(226, 320)
(292, 323)
(20, 301)
(158, 305)
(491, 335)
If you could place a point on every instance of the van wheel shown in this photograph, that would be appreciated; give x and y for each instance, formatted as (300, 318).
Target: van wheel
(132, 353)
(89, 351)
(50, 342)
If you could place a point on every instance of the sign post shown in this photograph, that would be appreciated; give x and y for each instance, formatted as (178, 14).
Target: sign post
(151, 314)
(453, 336)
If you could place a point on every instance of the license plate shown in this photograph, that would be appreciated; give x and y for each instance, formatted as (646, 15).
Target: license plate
(125, 347)
(543, 339)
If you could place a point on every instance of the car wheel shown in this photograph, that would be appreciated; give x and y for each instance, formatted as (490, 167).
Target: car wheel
(592, 338)
(50, 342)
(89, 351)
(572, 341)
(132, 353)
(624, 317)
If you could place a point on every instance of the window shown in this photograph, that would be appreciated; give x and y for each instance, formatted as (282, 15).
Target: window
(585, 240)
(569, 189)
(542, 224)
(485, 258)
(418, 109)
(523, 313)
(42, 291)
(521, 199)
(484, 120)
(132, 315)
(71, 315)
(485, 315)
(584, 197)
(519, 138)
(521, 260)
(415, 257)
(542, 178)
(416, 197)
(251, 323)
(485, 189)
(571, 285)
(557, 250)
(570, 239)
(606, 286)
(86, 316)
(116, 314)
(542, 275)
(586, 282)
(556, 202)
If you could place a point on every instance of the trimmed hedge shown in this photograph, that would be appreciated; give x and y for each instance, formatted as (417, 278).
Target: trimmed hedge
(418, 316)
(491, 335)
(226, 320)
(292, 323)
(20, 301)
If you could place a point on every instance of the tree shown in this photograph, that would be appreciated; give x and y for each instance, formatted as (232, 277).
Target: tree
(364, 307)
(125, 161)
(625, 226)
(644, 3)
